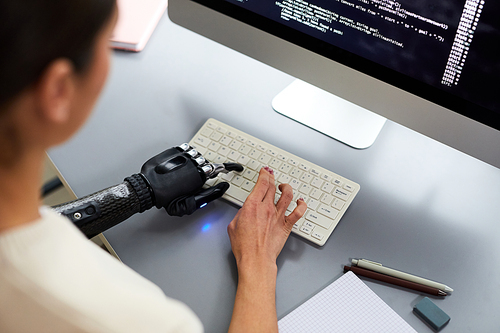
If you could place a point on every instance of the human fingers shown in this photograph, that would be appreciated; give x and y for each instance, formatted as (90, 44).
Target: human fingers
(285, 199)
(262, 185)
(271, 190)
(296, 214)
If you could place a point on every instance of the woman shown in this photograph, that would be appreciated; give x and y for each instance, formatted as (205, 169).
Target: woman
(52, 279)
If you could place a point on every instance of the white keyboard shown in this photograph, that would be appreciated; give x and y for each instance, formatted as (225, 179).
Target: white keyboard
(327, 194)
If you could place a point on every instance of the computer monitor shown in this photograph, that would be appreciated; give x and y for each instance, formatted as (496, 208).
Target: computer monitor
(429, 65)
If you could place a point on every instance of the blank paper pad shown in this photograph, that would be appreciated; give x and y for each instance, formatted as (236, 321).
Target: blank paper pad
(346, 305)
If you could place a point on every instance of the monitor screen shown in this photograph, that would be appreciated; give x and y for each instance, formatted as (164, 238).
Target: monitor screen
(431, 66)
(444, 51)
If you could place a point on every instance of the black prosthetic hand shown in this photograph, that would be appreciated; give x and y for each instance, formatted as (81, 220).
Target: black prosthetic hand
(173, 180)
(177, 175)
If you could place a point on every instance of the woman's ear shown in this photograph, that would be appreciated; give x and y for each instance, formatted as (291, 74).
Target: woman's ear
(55, 91)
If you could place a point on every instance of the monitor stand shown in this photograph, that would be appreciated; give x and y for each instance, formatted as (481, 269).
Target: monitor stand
(331, 115)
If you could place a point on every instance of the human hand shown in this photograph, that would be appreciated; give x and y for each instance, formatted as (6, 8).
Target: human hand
(260, 229)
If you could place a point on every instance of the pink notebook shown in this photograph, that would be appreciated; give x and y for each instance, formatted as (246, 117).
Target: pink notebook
(137, 20)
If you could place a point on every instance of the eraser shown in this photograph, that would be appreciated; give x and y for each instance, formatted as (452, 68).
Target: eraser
(431, 314)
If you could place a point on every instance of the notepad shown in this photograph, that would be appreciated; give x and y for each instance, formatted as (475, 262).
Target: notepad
(137, 20)
(346, 305)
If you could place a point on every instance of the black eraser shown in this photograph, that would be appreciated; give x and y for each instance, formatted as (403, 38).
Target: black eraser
(431, 314)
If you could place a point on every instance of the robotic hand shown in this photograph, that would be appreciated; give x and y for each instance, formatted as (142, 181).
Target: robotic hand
(176, 177)
(173, 180)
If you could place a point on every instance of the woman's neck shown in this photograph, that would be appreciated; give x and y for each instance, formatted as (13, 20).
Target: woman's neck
(20, 184)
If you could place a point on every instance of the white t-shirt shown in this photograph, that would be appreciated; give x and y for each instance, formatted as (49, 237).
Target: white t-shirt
(52, 279)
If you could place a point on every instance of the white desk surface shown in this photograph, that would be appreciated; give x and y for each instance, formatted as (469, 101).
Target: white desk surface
(423, 207)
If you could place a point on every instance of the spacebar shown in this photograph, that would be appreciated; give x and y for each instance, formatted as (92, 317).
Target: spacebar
(237, 193)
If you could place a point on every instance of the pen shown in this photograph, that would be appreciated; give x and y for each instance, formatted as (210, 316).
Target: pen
(374, 266)
(395, 281)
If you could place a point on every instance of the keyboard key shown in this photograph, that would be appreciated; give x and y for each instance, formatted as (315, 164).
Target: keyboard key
(284, 179)
(213, 146)
(319, 219)
(316, 182)
(206, 132)
(339, 193)
(327, 198)
(237, 193)
(216, 136)
(306, 178)
(285, 168)
(238, 180)
(223, 151)
(210, 155)
(291, 206)
(306, 230)
(318, 234)
(221, 129)
(202, 141)
(348, 187)
(251, 143)
(227, 177)
(235, 145)
(247, 185)
(225, 140)
(231, 134)
(328, 211)
(315, 193)
(312, 204)
(294, 183)
(272, 152)
(264, 159)
(220, 159)
(327, 187)
(282, 157)
(201, 150)
(305, 188)
(254, 165)
(304, 167)
(309, 224)
(254, 153)
(326, 177)
(338, 204)
(244, 149)
(249, 174)
(210, 182)
(338, 182)
(296, 172)
(275, 163)
(261, 148)
(243, 160)
(315, 172)
(233, 156)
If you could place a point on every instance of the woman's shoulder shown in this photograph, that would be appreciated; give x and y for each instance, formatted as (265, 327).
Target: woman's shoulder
(49, 267)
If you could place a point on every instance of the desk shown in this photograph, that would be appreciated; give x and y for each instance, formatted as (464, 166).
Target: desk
(423, 207)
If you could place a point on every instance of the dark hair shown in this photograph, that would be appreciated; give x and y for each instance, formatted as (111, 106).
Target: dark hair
(33, 33)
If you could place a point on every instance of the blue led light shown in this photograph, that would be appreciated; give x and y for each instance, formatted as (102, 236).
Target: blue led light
(203, 205)
(206, 227)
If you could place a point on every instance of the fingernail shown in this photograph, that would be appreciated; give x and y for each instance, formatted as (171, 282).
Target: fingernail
(301, 199)
(268, 169)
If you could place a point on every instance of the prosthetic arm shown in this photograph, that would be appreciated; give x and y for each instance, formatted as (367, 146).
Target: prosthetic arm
(173, 180)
